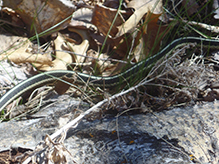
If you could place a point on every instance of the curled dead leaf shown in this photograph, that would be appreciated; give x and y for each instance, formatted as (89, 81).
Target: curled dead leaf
(103, 18)
(141, 8)
(20, 53)
(153, 33)
(83, 47)
(42, 14)
(155, 6)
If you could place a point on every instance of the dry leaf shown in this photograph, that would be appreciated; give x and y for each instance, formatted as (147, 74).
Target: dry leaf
(21, 53)
(142, 7)
(122, 46)
(216, 7)
(153, 34)
(83, 47)
(155, 6)
(103, 18)
(42, 14)
(15, 20)
(82, 18)
(61, 60)
(98, 67)
(114, 4)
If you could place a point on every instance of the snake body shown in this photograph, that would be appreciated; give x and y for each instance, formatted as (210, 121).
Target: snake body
(110, 81)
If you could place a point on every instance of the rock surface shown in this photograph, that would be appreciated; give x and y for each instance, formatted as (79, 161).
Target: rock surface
(175, 136)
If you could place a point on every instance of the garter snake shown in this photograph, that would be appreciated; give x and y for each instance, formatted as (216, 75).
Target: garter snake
(110, 81)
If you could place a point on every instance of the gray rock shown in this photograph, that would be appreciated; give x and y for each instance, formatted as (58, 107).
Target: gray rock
(174, 136)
